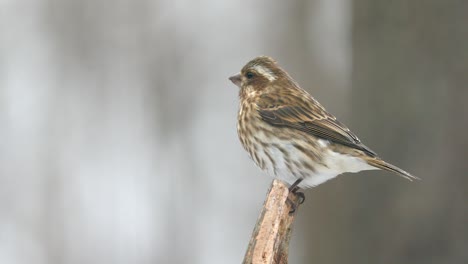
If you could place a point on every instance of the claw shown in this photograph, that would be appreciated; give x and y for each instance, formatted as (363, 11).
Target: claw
(293, 206)
(301, 197)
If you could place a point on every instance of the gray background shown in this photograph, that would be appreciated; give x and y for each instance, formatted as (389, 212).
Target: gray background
(118, 140)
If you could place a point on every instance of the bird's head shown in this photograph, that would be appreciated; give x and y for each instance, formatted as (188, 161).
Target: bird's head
(258, 74)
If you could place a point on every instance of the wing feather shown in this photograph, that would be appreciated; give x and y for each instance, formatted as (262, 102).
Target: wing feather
(314, 121)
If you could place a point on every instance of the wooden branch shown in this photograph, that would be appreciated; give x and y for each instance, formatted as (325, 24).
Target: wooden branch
(270, 239)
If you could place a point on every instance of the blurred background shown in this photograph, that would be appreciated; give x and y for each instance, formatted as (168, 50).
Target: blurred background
(118, 128)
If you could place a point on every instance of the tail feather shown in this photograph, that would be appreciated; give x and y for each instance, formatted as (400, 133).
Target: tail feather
(378, 163)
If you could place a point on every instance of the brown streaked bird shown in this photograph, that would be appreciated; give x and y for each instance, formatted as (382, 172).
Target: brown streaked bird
(291, 136)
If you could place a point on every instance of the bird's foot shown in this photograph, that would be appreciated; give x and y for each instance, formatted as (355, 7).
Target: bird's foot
(300, 195)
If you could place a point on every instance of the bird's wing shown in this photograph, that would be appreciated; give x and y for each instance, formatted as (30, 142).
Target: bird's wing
(315, 121)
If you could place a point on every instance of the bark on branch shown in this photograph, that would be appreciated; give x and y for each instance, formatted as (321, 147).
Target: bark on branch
(270, 239)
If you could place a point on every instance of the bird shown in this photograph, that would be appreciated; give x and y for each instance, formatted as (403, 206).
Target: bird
(291, 136)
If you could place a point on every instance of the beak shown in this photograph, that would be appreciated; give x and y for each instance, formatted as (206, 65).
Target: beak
(236, 79)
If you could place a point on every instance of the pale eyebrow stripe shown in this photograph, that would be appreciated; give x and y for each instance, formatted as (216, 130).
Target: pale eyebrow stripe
(264, 72)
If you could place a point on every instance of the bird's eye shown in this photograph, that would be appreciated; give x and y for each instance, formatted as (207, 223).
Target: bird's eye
(249, 75)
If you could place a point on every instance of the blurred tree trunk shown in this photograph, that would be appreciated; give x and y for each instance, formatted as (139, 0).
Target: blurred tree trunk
(409, 86)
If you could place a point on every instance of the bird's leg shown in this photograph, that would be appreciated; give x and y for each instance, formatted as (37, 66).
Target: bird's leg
(294, 189)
